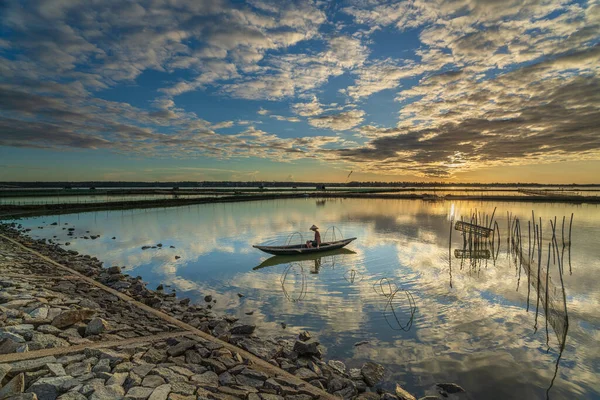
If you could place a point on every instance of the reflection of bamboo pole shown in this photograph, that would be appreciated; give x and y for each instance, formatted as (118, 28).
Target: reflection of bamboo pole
(450, 249)
(529, 259)
(537, 305)
(546, 297)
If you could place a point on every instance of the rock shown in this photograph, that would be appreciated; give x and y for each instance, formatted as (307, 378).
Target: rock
(153, 381)
(15, 386)
(160, 287)
(78, 369)
(368, 396)
(40, 313)
(180, 348)
(337, 365)
(146, 247)
(258, 348)
(209, 379)
(372, 373)
(403, 394)
(96, 326)
(214, 365)
(21, 329)
(355, 373)
(102, 366)
(117, 379)
(4, 369)
(139, 393)
(23, 396)
(46, 341)
(388, 396)
(72, 396)
(305, 374)
(49, 388)
(208, 298)
(71, 317)
(184, 388)
(161, 392)
(177, 257)
(168, 375)
(109, 392)
(243, 329)
(361, 343)
(309, 347)
(31, 365)
(143, 369)
(115, 357)
(154, 356)
(8, 346)
(451, 387)
(56, 369)
(304, 336)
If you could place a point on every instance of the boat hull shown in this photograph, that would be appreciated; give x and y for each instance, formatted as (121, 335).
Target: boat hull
(296, 249)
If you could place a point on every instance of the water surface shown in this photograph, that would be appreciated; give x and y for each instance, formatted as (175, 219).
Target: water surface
(462, 322)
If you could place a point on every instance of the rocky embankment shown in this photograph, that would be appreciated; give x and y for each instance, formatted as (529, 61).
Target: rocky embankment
(104, 335)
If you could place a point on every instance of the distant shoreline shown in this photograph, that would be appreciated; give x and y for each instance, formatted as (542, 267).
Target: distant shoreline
(17, 211)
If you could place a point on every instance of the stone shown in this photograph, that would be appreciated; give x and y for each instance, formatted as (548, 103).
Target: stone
(388, 396)
(214, 365)
(153, 381)
(96, 326)
(115, 357)
(46, 341)
(180, 348)
(368, 396)
(21, 329)
(23, 396)
(40, 312)
(267, 396)
(155, 356)
(304, 336)
(248, 381)
(181, 387)
(337, 365)
(118, 379)
(309, 347)
(208, 298)
(123, 367)
(8, 346)
(49, 388)
(305, 374)
(243, 329)
(139, 393)
(167, 374)
(15, 386)
(109, 392)
(56, 369)
(4, 369)
(258, 348)
(226, 379)
(72, 396)
(143, 369)
(450, 388)
(102, 366)
(208, 378)
(372, 373)
(15, 337)
(78, 369)
(71, 317)
(160, 393)
(403, 394)
(31, 365)
(240, 394)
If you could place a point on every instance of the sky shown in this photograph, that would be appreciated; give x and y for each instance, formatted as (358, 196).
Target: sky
(260, 90)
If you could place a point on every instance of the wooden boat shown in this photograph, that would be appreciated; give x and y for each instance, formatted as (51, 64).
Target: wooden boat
(279, 260)
(296, 249)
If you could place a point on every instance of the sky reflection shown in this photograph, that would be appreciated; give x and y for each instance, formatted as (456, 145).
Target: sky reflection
(475, 332)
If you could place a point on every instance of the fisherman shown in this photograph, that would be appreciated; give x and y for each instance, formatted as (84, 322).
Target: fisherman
(317, 242)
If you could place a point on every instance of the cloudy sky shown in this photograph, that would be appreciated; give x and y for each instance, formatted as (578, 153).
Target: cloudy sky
(454, 90)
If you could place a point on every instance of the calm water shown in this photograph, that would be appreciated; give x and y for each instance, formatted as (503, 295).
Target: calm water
(469, 322)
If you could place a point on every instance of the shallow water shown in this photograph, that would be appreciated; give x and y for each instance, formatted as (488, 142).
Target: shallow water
(469, 322)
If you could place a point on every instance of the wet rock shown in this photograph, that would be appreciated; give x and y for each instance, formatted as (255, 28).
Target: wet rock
(249, 313)
(15, 386)
(177, 257)
(372, 373)
(208, 298)
(403, 394)
(309, 347)
(243, 329)
(450, 388)
(304, 336)
(71, 317)
(114, 270)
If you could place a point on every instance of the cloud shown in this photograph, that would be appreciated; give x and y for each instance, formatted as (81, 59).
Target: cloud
(309, 109)
(283, 118)
(338, 122)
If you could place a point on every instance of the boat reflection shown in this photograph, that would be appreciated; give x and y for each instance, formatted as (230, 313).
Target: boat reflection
(317, 257)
